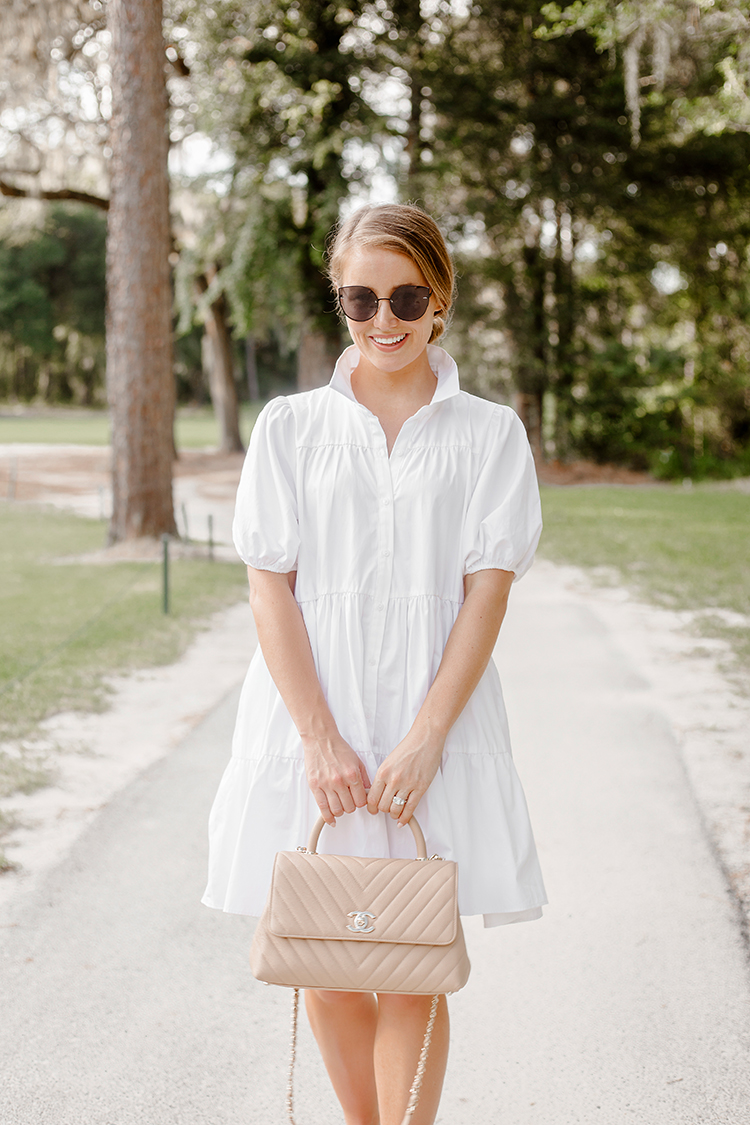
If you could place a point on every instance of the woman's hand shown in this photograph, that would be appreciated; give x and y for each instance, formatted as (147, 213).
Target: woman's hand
(409, 769)
(336, 776)
(407, 772)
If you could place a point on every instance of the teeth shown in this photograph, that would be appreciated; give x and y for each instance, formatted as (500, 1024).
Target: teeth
(389, 339)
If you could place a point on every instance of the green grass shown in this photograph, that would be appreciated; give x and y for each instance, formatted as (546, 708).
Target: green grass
(682, 549)
(195, 427)
(67, 624)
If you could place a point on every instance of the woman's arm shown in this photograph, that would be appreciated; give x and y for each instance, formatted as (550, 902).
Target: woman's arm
(411, 766)
(335, 774)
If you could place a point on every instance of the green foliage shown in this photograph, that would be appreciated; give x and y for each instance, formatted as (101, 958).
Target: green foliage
(579, 231)
(588, 162)
(276, 88)
(52, 303)
(663, 40)
(623, 413)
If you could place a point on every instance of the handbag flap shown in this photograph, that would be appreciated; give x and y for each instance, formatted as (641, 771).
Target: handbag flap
(345, 898)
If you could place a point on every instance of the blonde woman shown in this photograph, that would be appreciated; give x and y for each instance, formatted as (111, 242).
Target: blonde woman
(383, 519)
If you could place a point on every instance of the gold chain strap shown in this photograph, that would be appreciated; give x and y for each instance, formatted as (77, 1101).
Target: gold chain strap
(416, 1085)
(292, 1058)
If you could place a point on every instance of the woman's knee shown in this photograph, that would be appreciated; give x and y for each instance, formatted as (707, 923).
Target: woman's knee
(406, 1004)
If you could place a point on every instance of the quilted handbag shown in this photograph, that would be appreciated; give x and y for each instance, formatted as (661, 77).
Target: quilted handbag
(362, 925)
(356, 924)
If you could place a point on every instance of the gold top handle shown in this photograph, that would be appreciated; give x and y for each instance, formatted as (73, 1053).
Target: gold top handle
(312, 845)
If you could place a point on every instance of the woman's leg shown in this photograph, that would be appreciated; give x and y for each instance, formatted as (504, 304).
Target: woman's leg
(344, 1025)
(402, 1021)
(371, 1050)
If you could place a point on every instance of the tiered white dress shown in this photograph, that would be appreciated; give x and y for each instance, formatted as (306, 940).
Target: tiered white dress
(381, 546)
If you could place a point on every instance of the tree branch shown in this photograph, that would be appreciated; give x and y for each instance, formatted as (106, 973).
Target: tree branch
(63, 194)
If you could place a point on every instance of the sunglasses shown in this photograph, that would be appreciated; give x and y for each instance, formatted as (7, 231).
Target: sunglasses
(408, 302)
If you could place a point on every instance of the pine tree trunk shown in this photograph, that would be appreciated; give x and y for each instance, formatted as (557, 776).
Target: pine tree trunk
(140, 380)
(316, 359)
(565, 306)
(528, 407)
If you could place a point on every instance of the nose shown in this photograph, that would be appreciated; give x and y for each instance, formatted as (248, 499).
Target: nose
(385, 314)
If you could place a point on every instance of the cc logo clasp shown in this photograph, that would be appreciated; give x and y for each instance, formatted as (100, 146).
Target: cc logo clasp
(362, 923)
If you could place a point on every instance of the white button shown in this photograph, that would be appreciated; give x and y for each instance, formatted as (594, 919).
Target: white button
(386, 501)
(386, 554)
(372, 662)
(380, 607)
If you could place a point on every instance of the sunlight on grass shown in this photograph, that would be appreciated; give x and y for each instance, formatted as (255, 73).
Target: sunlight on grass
(684, 550)
(66, 625)
(195, 427)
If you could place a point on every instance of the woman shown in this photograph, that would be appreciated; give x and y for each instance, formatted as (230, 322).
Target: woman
(383, 519)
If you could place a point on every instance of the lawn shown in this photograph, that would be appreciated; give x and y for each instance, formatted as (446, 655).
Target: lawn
(67, 624)
(195, 427)
(686, 549)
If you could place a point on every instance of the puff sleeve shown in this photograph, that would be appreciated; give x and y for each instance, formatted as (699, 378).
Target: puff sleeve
(266, 526)
(504, 519)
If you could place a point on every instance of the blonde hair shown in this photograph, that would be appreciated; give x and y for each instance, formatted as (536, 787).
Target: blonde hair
(404, 230)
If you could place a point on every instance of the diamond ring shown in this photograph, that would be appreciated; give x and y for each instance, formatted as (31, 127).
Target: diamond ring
(399, 801)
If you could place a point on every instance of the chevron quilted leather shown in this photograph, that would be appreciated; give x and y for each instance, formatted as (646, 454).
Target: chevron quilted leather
(358, 924)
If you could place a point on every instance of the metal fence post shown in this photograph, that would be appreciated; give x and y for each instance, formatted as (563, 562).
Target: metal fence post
(165, 572)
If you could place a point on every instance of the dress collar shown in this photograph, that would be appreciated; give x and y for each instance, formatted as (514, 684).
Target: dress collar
(443, 367)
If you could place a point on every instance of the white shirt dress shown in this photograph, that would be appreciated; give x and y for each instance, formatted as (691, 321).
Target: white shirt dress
(381, 546)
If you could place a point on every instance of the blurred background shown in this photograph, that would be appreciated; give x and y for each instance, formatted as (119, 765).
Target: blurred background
(589, 164)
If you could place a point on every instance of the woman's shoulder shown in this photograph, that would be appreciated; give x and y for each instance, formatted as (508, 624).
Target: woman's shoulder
(286, 409)
(485, 418)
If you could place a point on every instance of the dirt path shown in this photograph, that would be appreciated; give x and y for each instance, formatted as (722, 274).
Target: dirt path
(77, 478)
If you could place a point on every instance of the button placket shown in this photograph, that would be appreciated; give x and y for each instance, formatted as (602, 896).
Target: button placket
(384, 568)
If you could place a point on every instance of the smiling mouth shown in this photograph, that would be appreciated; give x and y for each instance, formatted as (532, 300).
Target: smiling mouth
(388, 340)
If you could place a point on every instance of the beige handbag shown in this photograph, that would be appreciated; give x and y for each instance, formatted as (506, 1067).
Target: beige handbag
(356, 924)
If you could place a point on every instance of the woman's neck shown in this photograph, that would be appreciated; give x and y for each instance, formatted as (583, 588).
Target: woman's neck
(393, 396)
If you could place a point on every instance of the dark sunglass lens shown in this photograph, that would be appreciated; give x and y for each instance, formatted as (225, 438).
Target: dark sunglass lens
(409, 302)
(358, 302)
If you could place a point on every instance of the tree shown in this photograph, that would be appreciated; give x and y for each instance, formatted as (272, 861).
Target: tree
(54, 134)
(217, 342)
(279, 88)
(54, 97)
(139, 330)
(52, 304)
(675, 38)
(562, 224)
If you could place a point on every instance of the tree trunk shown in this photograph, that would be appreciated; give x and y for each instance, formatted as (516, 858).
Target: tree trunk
(316, 359)
(565, 305)
(528, 407)
(221, 384)
(526, 312)
(251, 368)
(140, 380)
